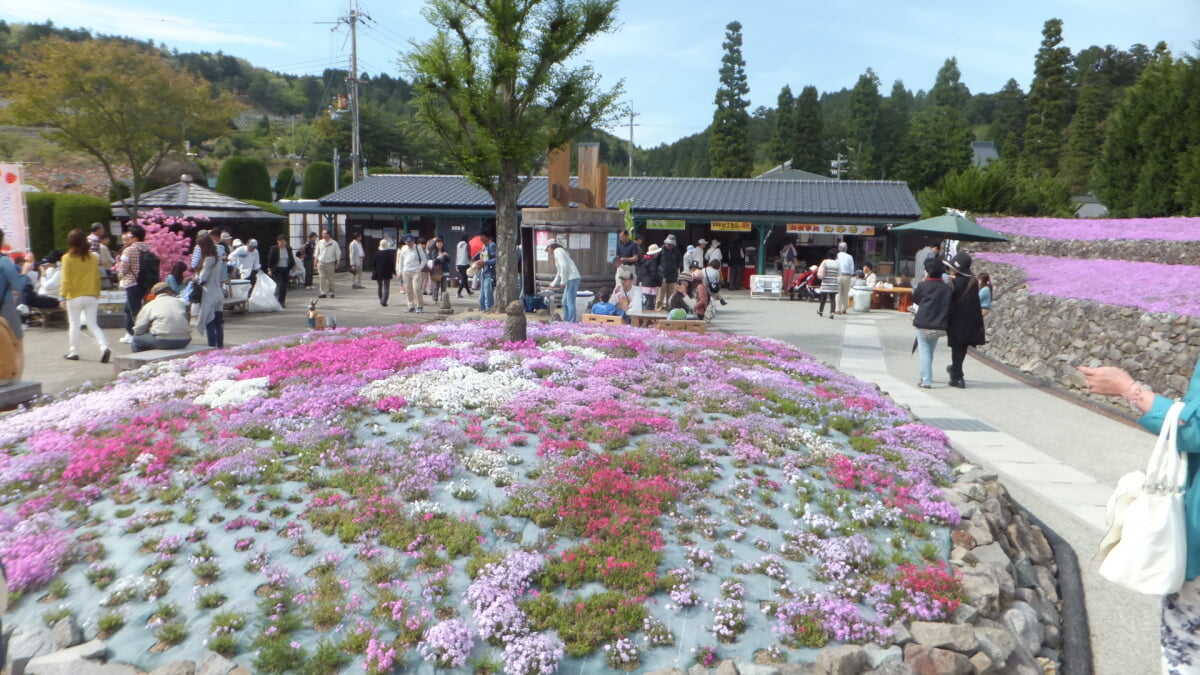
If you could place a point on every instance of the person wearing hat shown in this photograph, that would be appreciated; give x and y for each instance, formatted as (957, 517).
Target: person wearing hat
(162, 322)
(627, 296)
(627, 256)
(566, 275)
(965, 325)
(681, 299)
(650, 276)
(247, 260)
(669, 261)
(694, 257)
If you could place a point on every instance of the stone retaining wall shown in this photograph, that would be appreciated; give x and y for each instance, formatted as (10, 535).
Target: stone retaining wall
(1048, 338)
(1140, 250)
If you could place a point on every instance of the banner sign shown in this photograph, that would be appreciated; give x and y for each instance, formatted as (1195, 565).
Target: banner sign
(666, 224)
(12, 207)
(730, 226)
(868, 230)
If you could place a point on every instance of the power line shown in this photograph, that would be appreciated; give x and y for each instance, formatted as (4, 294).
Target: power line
(631, 125)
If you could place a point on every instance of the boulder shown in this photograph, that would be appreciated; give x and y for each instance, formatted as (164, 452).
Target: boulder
(934, 661)
(25, 643)
(1024, 572)
(71, 661)
(697, 669)
(893, 669)
(1022, 621)
(744, 668)
(966, 614)
(842, 660)
(996, 642)
(991, 554)
(67, 632)
(212, 663)
(959, 637)
(666, 671)
(726, 667)
(176, 668)
(981, 664)
(878, 657)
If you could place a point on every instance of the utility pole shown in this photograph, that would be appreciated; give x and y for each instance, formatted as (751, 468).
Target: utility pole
(631, 125)
(351, 19)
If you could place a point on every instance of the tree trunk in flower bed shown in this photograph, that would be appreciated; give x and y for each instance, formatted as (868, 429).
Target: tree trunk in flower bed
(514, 322)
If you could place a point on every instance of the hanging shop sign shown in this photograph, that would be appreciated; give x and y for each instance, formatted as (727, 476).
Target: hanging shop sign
(730, 226)
(666, 224)
(831, 229)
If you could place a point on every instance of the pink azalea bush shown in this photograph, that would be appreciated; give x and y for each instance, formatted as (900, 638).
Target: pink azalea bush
(1083, 229)
(168, 237)
(1152, 287)
(432, 493)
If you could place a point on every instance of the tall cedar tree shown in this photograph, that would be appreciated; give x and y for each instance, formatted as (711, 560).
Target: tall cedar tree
(893, 126)
(120, 103)
(729, 137)
(1008, 119)
(947, 90)
(492, 85)
(783, 139)
(938, 142)
(809, 152)
(863, 126)
(1049, 101)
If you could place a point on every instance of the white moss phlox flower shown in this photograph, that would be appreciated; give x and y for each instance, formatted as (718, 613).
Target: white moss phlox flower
(227, 393)
(455, 389)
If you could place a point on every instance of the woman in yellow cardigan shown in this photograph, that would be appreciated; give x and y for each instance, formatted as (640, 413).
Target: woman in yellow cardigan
(81, 293)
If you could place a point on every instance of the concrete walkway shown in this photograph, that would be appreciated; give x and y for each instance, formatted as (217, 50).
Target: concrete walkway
(1059, 459)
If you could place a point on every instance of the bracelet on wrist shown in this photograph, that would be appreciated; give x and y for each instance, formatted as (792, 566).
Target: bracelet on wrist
(1133, 395)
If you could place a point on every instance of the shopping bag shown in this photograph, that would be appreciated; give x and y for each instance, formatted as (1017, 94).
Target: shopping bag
(262, 298)
(1145, 549)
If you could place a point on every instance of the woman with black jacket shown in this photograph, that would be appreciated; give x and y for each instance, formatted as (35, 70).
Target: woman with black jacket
(932, 298)
(385, 269)
(965, 326)
(650, 276)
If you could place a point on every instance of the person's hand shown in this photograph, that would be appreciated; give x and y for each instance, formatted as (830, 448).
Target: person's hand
(1107, 380)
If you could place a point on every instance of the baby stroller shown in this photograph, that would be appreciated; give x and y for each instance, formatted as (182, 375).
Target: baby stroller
(805, 286)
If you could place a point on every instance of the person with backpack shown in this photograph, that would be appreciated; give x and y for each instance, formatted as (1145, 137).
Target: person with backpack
(139, 272)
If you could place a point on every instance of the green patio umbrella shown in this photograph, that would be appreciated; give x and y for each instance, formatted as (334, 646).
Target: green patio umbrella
(951, 226)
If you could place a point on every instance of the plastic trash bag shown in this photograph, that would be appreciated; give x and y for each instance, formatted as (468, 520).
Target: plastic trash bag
(262, 298)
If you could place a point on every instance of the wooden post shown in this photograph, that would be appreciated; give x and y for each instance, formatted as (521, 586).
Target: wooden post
(589, 171)
(558, 171)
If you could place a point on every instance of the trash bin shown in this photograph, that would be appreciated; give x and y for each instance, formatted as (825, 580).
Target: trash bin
(860, 299)
(582, 300)
(239, 289)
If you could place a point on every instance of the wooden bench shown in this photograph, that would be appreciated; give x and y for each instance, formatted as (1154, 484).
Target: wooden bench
(602, 318)
(45, 317)
(687, 325)
(123, 362)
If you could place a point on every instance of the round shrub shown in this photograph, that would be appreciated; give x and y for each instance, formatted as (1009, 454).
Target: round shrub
(245, 178)
(318, 181)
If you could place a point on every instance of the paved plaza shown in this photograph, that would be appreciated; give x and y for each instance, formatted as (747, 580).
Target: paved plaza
(1059, 459)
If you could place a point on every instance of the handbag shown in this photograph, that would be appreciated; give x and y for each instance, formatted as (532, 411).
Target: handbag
(1145, 548)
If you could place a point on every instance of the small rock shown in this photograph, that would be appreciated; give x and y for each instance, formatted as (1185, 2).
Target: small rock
(176, 668)
(981, 664)
(966, 614)
(970, 491)
(992, 554)
(110, 669)
(842, 660)
(745, 668)
(981, 534)
(878, 656)
(960, 638)
(666, 671)
(1022, 620)
(982, 589)
(962, 539)
(1053, 638)
(934, 661)
(997, 643)
(893, 669)
(697, 669)
(1023, 570)
(67, 632)
(726, 667)
(212, 663)
(959, 554)
(243, 670)
(1047, 582)
(70, 661)
(900, 634)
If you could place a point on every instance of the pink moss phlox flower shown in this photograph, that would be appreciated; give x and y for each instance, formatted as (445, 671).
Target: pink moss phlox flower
(1085, 229)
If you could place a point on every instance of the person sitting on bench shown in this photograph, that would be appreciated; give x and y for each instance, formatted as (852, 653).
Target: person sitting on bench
(604, 307)
(162, 323)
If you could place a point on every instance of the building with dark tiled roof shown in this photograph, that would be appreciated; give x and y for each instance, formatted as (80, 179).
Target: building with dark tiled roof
(188, 199)
(754, 212)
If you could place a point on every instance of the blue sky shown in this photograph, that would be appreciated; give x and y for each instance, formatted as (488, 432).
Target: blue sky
(668, 51)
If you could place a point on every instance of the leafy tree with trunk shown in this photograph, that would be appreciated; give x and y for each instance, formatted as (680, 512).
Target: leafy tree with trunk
(125, 105)
(1049, 101)
(862, 128)
(1008, 119)
(729, 135)
(493, 85)
(808, 153)
(783, 139)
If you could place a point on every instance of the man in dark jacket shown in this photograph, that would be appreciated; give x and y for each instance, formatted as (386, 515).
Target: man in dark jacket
(737, 263)
(280, 261)
(965, 326)
(310, 254)
(670, 262)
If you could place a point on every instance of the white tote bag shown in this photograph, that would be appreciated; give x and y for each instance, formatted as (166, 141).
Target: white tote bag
(263, 298)
(1145, 549)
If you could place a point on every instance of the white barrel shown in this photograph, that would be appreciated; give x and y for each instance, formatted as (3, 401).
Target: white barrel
(239, 289)
(861, 299)
(582, 300)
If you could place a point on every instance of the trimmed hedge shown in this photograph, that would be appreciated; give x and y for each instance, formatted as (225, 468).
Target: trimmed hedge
(245, 178)
(40, 208)
(77, 211)
(318, 181)
(285, 183)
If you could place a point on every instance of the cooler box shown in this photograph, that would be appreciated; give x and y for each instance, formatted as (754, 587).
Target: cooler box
(582, 300)
(239, 289)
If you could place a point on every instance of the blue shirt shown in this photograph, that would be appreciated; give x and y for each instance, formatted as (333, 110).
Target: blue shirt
(1188, 441)
(985, 298)
(489, 265)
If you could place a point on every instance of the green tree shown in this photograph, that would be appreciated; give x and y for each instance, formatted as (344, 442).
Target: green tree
(809, 152)
(893, 126)
(729, 135)
(947, 90)
(122, 104)
(285, 183)
(245, 178)
(492, 84)
(1049, 101)
(862, 126)
(1085, 136)
(1008, 119)
(938, 142)
(318, 181)
(783, 140)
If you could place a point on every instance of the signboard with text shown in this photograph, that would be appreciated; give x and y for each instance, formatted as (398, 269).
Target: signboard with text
(730, 226)
(666, 224)
(12, 207)
(813, 228)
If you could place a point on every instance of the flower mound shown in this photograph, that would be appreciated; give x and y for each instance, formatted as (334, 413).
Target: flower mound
(1082, 229)
(375, 499)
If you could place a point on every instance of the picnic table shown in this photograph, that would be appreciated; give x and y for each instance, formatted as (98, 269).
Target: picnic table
(898, 297)
(647, 318)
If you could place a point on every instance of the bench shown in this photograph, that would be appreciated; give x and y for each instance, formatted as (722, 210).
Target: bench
(17, 393)
(602, 318)
(123, 362)
(686, 325)
(45, 317)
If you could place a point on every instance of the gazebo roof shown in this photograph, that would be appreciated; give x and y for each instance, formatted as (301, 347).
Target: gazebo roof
(186, 198)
